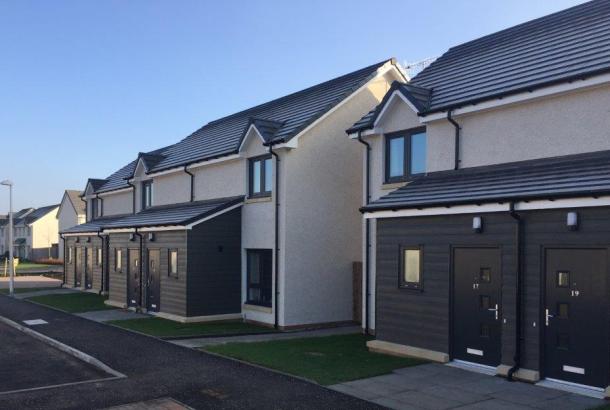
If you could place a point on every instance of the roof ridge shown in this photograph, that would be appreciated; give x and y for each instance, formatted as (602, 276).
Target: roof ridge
(292, 95)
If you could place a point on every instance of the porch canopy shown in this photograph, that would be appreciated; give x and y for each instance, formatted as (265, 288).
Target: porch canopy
(181, 215)
(571, 176)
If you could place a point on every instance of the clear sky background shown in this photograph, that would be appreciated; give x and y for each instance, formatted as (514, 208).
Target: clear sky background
(86, 85)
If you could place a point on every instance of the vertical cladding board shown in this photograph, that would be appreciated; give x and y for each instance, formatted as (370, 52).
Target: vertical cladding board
(214, 266)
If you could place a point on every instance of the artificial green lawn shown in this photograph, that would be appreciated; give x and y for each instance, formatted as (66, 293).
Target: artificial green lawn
(326, 360)
(73, 302)
(168, 328)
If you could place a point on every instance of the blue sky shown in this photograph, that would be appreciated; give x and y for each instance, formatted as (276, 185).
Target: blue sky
(86, 85)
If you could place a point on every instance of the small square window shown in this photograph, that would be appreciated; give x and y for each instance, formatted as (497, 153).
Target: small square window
(172, 261)
(563, 341)
(411, 268)
(563, 279)
(70, 254)
(563, 310)
(485, 275)
(485, 302)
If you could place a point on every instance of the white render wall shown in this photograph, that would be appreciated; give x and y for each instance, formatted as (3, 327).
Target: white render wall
(66, 218)
(171, 189)
(323, 223)
(117, 204)
(224, 179)
(572, 123)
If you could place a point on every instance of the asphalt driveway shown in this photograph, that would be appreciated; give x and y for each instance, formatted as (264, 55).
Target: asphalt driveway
(27, 363)
(157, 369)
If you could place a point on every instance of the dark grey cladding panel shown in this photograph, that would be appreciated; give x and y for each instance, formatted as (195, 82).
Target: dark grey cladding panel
(567, 176)
(283, 118)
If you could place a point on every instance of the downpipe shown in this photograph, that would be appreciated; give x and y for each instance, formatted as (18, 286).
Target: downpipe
(192, 182)
(457, 127)
(276, 258)
(103, 262)
(140, 271)
(367, 230)
(518, 253)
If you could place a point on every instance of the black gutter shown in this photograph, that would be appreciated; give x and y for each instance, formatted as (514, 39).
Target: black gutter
(139, 235)
(519, 90)
(518, 262)
(192, 182)
(133, 197)
(456, 165)
(498, 200)
(276, 237)
(102, 262)
(367, 233)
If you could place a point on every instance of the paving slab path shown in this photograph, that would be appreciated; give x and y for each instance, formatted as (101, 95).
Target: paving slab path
(58, 291)
(112, 314)
(437, 386)
(157, 369)
(206, 341)
(30, 281)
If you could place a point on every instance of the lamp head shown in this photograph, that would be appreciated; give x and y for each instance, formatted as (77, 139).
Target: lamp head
(7, 182)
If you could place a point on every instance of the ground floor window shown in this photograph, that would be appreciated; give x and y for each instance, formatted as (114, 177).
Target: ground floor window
(260, 267)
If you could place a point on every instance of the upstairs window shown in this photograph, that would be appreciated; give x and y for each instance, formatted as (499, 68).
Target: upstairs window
(405, 155)
(261, 176)
(146, 194)
(96, 208)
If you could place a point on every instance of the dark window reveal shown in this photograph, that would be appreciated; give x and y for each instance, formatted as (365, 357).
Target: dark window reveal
(261, 176)
(405, 155)
(146, 194)
(260, 267)
(411, 267)
(172, 261)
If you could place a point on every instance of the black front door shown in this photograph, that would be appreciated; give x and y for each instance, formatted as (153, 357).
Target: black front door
(133, 275)
(476, 305)
(78, 267)
(576, 316)
(88, 267)
(153, 279)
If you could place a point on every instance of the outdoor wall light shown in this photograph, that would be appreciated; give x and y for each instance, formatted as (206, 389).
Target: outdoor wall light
(77, 239)
(477, 224)
(132, 237)
(572, 221)
(151, 236)
(88, 239)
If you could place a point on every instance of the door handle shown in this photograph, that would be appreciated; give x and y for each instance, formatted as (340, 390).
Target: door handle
(496, 311)
(547, 316)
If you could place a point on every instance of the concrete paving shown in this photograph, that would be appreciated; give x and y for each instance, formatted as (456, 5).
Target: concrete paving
(58, 291)
(112, 314)
(30, 281)
(206, 341)
(166, 403)
(437, 386)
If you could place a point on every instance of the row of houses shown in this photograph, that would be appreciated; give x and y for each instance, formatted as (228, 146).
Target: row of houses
(476, 194)
(35, 233)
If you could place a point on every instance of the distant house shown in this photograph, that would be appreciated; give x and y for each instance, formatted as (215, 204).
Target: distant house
(72, 211)
(36, 233)
(4, 220)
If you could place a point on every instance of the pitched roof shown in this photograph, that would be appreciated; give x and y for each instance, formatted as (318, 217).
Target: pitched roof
(278, 120)
(74, 196)
(560, 47)
(167, 215)
(38, 213)
(548, 178)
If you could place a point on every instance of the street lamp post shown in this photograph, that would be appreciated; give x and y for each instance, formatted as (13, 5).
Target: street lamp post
(11, 264)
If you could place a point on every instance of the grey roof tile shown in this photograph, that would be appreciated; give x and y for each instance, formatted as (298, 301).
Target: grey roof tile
(280, 120)
(167, 215)
(548, 178)
(561, 47)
